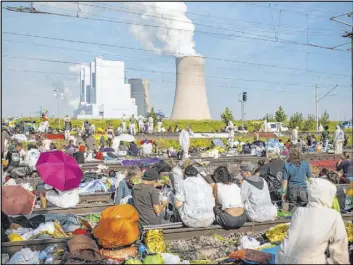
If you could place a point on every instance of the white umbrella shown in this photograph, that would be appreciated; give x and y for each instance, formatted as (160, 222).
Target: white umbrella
(126, 138)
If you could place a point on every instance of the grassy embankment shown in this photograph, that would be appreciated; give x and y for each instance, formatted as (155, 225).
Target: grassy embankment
(197, 126)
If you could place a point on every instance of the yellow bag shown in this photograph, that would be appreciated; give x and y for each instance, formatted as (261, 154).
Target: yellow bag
(14, 237)
(336, 205)
(118, 226)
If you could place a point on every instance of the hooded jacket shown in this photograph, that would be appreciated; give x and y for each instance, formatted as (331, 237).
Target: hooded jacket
(339, 135)
(256, 199)
(314, 229)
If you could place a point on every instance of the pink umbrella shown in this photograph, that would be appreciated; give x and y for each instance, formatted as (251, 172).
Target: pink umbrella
(15, 199)
(59, 170)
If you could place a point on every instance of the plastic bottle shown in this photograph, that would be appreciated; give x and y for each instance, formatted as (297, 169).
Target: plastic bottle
(49, 259)
(46, 252)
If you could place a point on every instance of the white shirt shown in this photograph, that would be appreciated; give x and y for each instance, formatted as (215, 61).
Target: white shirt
(46, 144)
(62, 199)
(229, 196)
(147, 149)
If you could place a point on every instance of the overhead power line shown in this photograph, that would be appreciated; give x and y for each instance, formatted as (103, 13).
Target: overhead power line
(154, 80)
(209, 16)
(161, 72)
(131, 11)
(168, 53)
(205, 33)
(155, 59)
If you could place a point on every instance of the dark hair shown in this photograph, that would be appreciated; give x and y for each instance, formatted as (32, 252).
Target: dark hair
(222, 175)
(261, 162)
(326, 127)
(191, 171)
(324, 171)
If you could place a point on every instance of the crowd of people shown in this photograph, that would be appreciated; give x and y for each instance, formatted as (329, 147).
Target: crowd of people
(231, 197)
(228, 196)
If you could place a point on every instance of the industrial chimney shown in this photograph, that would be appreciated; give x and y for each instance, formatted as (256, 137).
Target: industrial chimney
(190, 102)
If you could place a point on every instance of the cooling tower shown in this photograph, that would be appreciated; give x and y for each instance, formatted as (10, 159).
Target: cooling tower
(190, 102)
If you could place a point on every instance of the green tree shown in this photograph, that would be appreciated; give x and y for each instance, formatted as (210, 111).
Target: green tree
(296, 120)
(227, 116)
(269, 117)
(325, 119)
(280, 116)
(152, 114)
(309, 123)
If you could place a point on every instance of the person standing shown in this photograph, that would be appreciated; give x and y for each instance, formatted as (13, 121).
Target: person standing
(150, 125)
(141, 125)
(110, 133)
(339, 138)
(159, 126)
(123, 124)
(324, 138)
(295, 135)
(184, 141)
(67, 127)
(133, 125)
(296, 170)
(230, 129)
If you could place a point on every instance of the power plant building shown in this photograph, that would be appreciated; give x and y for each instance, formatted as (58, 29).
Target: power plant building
(190, 101)
(103, 91)
(140, 90)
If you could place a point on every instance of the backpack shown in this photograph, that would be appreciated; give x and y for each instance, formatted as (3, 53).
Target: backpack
(273, 182)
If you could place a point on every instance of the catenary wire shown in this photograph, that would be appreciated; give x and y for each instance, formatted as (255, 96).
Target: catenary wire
(168, 53)
(205, 33)
(151, 58)
(164, 72)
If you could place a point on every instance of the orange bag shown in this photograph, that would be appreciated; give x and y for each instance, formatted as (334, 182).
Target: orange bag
(118, 226)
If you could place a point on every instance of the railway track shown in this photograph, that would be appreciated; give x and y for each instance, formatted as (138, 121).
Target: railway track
(169, 235)
(93, 203)
(212, 161)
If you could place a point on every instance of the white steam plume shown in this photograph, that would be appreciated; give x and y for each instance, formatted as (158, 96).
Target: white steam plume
(171, 15)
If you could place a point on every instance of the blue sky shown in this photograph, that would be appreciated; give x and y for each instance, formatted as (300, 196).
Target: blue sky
(267, 87)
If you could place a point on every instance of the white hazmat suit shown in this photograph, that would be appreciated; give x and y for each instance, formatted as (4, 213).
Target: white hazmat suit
(141, 125)
(159, 126)
(184, 141)
(315, 228)
(150, 125)
(295, 135)
(339, 139)
(231, 130)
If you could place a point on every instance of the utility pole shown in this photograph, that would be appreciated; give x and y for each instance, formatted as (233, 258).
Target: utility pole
(241, 100)
(317, 107)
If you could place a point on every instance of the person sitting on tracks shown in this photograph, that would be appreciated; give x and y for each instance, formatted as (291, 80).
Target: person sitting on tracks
(272, 172)
(346, 165)
(296, 170)
(124, 190)
(335, 179)
(255, 196)
(146, 199)
(314, 229)
(229, 209)
(194, 200)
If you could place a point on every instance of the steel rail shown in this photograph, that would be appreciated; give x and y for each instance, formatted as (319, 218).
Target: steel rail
(169, 235)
